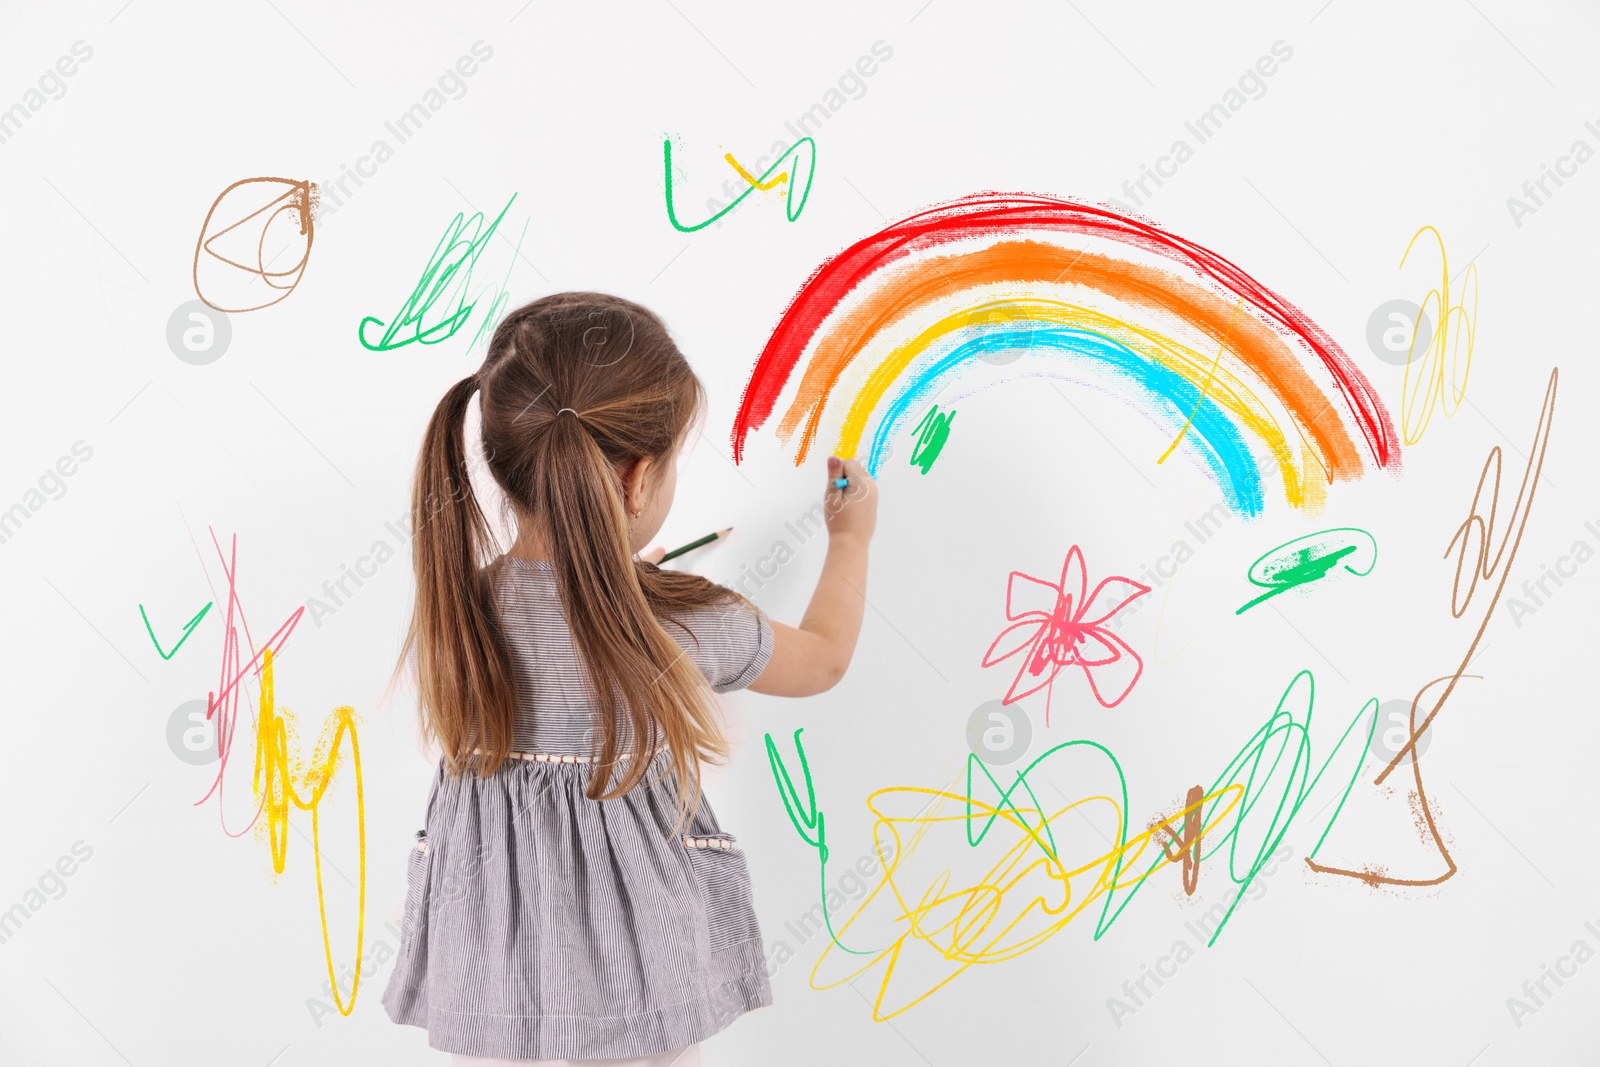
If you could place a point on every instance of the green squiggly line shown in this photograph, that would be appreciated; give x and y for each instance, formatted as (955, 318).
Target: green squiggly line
(497, 306)
(1280, 722)
(790, 206)
(1304, 565)
(1284, 723)
(805, 819)
(455, 252)
(1249, 769)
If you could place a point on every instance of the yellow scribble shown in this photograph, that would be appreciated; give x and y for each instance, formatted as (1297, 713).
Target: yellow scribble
(1418, 400)
(747, 176)
(955, 923)
(274, 777)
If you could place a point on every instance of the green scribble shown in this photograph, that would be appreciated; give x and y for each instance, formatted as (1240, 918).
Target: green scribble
(188, 628)
(796, 187)
(932, 432)
(1245, 769)
(808, 822)
(1256, 769)
(447, 275)
(497, 306)
(1278, 571)
(1294, 734)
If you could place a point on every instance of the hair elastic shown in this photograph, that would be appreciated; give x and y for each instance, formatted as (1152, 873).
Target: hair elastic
(575, 414)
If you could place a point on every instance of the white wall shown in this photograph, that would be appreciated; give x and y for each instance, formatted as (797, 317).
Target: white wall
(173, 943)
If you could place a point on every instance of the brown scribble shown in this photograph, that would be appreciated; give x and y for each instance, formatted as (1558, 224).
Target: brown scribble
(1475, 531)
(1375, 876)
(298, 197)
(1188, 838)
(1420, 816)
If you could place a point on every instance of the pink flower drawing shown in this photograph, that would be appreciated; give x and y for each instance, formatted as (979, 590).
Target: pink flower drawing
(1054, 626)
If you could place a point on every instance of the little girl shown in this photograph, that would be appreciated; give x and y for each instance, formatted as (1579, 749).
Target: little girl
(573, 897)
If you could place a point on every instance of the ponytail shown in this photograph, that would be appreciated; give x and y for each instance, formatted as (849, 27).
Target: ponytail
(467, 685)
(641, 678)
(575, 388)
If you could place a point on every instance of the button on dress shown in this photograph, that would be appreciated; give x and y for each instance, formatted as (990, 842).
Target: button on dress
(542, 924)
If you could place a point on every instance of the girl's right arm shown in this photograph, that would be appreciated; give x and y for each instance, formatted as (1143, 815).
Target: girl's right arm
(812, 657)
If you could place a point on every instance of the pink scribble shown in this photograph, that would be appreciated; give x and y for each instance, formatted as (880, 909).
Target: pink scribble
(1061, 625)
(222, 704)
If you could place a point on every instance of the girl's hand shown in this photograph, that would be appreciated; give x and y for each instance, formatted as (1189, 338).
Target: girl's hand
(812, 657)
(853, 509)
(653, 555)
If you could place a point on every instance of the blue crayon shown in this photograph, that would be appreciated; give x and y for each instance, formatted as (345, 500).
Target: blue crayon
(840, 483)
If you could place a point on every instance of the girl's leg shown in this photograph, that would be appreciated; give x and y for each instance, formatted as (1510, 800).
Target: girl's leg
(688, 1057)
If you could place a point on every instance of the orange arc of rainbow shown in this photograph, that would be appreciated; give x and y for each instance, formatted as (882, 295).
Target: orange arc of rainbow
(907, 289)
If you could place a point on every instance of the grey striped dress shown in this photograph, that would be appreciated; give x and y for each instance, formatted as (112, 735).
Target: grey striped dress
(542, 924)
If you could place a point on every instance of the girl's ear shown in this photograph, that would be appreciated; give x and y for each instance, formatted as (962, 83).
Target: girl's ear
(636, 484)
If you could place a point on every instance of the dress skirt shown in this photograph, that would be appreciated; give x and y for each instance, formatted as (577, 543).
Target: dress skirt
(542, 924)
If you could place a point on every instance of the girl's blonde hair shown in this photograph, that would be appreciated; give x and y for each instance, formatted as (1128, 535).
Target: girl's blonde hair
(632, 395)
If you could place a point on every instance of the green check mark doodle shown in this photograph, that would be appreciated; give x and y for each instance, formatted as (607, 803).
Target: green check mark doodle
(1308, 559)
(802, 151)
(188, 628)
(805, 817)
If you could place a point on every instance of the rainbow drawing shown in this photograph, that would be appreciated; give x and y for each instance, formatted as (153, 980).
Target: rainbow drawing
(1243, 379)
